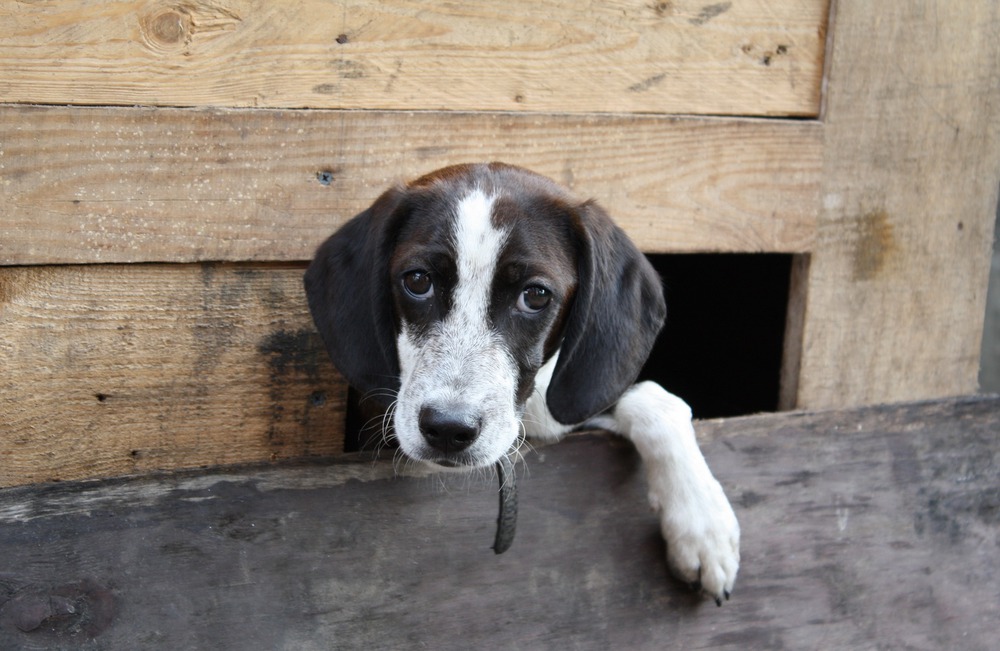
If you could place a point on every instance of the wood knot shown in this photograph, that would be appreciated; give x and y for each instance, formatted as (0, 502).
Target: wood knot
(167, 29)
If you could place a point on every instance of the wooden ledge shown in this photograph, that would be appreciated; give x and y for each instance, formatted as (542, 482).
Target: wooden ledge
(865, 528)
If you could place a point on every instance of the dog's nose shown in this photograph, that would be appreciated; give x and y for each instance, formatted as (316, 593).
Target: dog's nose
(450, 430)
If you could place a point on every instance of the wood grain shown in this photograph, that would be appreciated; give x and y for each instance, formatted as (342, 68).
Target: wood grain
(148, 185)
(755, 57)
(863, 529)
(111, 370)
(897, 282)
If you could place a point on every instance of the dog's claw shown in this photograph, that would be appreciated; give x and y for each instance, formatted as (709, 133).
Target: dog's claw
(507, 517)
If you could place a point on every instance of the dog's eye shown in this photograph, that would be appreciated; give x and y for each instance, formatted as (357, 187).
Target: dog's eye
(418, 284)
(534, 299)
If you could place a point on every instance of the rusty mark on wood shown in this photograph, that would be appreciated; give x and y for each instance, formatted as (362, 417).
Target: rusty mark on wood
(874, 245)
(663, 8)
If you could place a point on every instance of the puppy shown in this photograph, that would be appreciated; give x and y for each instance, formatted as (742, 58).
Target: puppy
(487, 299)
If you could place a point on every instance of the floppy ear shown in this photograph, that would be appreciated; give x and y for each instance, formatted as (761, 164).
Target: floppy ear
(617, 312)
(348, 291)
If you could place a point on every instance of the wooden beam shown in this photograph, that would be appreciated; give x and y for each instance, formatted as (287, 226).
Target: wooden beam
(755, 57)
(897, 282)
(883, 535)
(169, 185)
(112, 370)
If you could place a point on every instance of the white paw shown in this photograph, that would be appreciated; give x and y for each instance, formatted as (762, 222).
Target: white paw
(703, 537)
(702, 534)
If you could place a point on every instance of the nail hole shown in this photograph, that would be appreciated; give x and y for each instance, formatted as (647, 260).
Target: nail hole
(325, 177)
(343, 39)
(101, 397)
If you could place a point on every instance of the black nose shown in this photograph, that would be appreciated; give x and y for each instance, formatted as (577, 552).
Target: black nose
(449, 431)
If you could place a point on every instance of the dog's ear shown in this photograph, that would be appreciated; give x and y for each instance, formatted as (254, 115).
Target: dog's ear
(348, 291)
(616, 315)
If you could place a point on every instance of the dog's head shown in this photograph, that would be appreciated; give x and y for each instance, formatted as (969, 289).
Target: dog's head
(452, 291)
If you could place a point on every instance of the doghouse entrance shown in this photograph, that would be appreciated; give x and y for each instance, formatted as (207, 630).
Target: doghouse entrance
(721, 347)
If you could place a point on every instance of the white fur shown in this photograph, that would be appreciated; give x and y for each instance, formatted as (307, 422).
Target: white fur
(702, 534)
(462, 362)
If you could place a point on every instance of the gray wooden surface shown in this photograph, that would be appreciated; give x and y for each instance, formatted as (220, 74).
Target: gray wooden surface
(867, 529)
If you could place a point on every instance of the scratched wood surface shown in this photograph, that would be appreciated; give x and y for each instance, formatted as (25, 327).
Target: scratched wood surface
(754, 57)
(108, 370)
(141, 185)
(865, 529)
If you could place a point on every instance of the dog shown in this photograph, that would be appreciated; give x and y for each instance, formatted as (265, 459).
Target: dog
(487, 299)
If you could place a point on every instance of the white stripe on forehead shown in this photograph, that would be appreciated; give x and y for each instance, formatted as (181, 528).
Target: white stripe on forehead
(477, 247)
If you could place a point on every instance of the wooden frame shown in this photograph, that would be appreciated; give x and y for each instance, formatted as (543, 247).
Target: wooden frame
(260, 131)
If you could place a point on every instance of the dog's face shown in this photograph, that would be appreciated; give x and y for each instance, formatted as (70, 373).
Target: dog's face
(477, 296)
(456, 289)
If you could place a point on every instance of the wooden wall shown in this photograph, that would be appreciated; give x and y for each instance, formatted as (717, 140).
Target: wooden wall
(167, 168)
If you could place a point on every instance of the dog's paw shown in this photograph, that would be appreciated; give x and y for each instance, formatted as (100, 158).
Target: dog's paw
(703, 539)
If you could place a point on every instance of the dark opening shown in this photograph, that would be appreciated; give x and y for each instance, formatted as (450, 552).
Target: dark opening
(721, 347)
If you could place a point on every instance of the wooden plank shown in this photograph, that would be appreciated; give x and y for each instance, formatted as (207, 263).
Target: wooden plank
(142, 185)
(755, 57)
(110, 370)
(881, 536)
(897, 282)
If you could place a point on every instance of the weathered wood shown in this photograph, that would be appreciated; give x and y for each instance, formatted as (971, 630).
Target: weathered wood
(897, 281)
(755, 57)
(867, 529)
(146, 185)
(110, 370)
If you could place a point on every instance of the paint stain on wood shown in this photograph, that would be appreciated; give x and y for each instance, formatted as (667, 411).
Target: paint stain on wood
(648, 83)
(708, 12)
(874, 245)
(294, 358)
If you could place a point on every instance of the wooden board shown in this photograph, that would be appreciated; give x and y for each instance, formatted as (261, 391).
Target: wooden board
(896, 285)
(869, 529)
(111, 370)
(755, 57)
(142, 185)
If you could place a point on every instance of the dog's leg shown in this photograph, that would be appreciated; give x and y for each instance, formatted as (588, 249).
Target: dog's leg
(702, 534)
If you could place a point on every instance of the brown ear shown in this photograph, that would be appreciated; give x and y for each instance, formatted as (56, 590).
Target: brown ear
(347, 288)
(616, 315)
